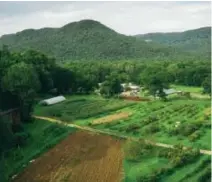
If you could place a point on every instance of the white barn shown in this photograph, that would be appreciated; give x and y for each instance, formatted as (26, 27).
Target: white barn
(53, 100)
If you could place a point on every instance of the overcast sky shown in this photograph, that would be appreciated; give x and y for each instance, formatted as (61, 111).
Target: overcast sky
(124, 17)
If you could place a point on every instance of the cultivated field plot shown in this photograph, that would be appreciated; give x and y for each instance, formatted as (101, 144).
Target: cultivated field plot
(74, 109)
(172, 122)
(111, 118)
(81, 157)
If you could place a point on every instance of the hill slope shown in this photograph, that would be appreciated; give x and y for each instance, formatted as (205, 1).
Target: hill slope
(88, 40)
(198, 40)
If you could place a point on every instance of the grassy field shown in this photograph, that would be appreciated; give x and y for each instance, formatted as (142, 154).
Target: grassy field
(43, 136)
(187, 88)
(176, 121)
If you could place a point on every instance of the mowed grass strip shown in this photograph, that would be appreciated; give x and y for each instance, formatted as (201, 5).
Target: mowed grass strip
(80, 157)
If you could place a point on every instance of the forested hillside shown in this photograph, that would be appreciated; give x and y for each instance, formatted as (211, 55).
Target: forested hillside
(88, 40)
(198, 40)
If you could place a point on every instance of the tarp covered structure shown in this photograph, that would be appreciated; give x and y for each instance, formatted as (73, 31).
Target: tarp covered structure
(53, 100)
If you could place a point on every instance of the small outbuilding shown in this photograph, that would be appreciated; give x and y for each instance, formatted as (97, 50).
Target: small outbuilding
(12, 115)
(130, 86)
(170, 91)
(53, 100)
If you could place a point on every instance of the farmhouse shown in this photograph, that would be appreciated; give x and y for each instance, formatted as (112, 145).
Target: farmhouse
(52, 101)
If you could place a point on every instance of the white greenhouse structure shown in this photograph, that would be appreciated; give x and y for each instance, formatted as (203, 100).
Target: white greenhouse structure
(52, 101)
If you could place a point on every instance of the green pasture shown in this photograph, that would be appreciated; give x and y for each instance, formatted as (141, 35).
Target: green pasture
(187, 88)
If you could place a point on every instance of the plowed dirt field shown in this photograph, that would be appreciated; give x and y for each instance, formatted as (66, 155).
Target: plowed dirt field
(81, 157)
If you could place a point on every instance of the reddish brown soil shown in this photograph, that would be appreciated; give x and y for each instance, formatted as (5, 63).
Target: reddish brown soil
(111, 118)
(81, 157)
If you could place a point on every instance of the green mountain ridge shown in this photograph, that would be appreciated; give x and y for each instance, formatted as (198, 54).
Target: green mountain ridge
(88, 40)
(197, 40)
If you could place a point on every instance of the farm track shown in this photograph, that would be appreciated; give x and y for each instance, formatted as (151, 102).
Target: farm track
(202, 151)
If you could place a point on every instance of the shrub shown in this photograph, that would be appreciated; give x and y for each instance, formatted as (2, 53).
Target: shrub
(21, 138)
(194, 136)
(152, 129)
(187, 129)
(132, 127)
(133, 150)
(180, 156)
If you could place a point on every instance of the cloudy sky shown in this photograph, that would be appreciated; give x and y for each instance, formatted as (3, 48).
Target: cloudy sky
(125, 17)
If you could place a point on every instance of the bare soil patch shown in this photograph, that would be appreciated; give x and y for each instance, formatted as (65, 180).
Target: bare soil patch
(81, 157)
(111, 118)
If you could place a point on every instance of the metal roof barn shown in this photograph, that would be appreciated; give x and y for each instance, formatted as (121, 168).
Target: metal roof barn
(53, 100)
(170, 91)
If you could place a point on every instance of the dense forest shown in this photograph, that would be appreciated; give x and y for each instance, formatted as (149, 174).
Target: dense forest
(197, 40)
(91, 40)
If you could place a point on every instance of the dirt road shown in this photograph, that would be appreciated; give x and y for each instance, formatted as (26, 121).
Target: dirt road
(206, 152)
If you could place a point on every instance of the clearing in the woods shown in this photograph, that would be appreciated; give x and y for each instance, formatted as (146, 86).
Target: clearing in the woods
(82, 156)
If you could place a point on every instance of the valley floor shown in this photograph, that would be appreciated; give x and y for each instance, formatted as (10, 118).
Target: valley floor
(96, 128)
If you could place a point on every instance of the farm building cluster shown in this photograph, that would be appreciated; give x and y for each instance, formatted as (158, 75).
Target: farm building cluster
(134, 91)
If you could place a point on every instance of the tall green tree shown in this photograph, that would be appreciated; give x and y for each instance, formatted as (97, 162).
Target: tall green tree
(156, 83)
(207, 85)
(111, 86)
(63, 79)
(22, 80)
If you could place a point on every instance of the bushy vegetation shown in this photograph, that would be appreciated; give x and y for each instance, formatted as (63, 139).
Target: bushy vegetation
(180, 156)
(134, 150)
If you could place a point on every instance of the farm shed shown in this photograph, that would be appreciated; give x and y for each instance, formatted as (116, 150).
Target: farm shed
(12, 115)
(170, 91)
(131, 86)
(53, 100)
